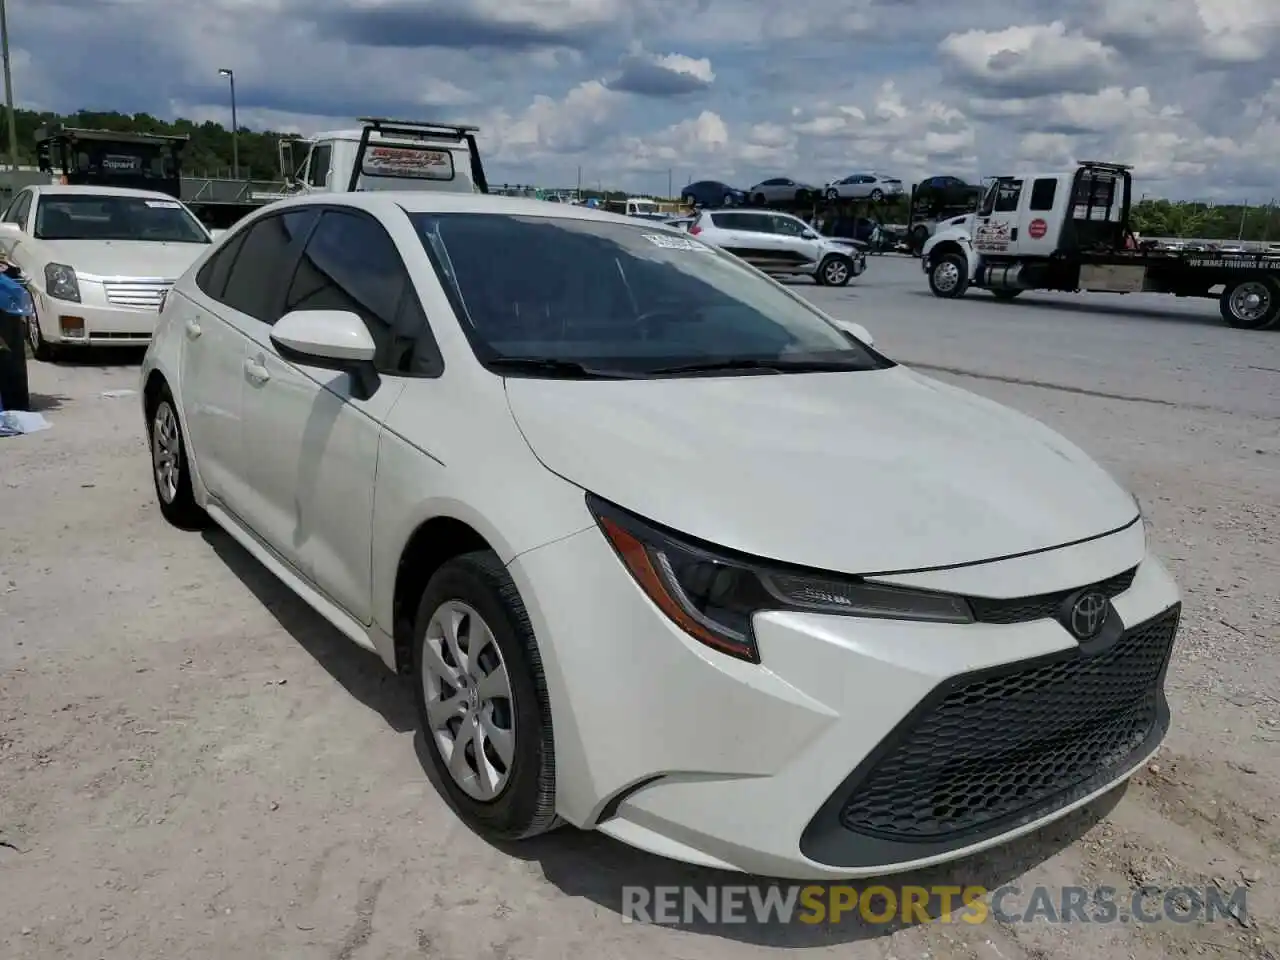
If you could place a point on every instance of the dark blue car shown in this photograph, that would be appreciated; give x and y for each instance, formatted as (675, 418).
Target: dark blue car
(712, 194)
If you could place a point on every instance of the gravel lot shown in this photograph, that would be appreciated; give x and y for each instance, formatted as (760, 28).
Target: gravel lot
(194, 765)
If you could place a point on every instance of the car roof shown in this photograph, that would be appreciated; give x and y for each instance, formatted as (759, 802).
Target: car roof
(72, 190)
(442, 201)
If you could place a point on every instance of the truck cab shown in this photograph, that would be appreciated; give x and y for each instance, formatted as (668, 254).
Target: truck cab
(641, 207)
(385, 155)
(1027, 226)
(111, 158)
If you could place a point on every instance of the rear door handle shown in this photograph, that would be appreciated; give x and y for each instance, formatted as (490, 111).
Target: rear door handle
(256, 371)
(193, 329)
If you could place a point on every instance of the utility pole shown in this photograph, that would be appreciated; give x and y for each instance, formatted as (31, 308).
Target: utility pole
(8, 88)
(669, 194)
(235, 125)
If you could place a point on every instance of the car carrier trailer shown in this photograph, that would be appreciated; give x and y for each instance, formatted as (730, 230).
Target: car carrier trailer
(1070, 232)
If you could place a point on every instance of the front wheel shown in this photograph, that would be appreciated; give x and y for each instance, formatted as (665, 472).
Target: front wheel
(482, 699)
(949, 276)
(758, 199)
(835, 271)
(1252, 304)
(833, 194)
(41, 348)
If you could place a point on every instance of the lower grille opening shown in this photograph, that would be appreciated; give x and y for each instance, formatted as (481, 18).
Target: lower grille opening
(991, 748)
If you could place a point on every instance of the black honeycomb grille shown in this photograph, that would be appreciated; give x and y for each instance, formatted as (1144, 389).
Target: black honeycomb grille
(1044, 606)
(997, 747)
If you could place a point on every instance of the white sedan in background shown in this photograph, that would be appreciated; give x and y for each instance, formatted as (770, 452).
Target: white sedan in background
(864, 186)
(587, 481)
(98, 261)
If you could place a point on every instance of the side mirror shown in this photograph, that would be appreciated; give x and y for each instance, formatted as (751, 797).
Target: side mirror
(855, 330)
(331, 340)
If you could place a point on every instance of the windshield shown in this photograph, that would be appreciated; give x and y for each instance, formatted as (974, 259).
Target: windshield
(635, 299)
(95, 216)
(642, 207)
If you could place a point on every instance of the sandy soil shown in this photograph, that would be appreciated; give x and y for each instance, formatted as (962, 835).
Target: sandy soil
(192, 764)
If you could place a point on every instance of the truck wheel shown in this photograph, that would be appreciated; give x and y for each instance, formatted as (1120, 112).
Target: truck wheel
(1250, 304)
(949, 277)
(1005, 294)
(877, 195)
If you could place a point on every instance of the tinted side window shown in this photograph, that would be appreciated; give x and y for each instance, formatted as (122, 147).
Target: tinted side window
(1007, 196)
(262, 267)
(1043, 192)
(17, 207)
(212, 278)
(319, 172)
(24, 207)
(351, 263)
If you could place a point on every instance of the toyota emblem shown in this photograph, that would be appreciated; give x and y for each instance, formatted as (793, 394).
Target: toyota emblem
(1088, 614)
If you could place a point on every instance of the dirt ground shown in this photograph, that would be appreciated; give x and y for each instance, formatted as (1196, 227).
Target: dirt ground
(193, 765)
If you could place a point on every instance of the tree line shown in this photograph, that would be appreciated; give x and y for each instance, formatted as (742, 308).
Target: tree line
(208, 153)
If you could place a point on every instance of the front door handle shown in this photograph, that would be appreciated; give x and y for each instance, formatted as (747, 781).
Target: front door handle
(256, 371)
(193, 329)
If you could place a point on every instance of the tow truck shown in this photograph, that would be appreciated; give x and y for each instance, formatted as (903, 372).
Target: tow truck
(1070, 232)
(385, 154)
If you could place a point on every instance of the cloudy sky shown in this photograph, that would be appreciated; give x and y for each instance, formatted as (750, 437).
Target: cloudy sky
(634, 91)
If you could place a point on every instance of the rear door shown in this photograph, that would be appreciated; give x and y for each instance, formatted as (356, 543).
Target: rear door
(747, 234)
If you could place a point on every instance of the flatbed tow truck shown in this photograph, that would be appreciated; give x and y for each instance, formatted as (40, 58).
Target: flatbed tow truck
(1070, 232)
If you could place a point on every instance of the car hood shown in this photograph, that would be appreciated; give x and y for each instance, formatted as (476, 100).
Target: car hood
(124, 258)
(860, 472)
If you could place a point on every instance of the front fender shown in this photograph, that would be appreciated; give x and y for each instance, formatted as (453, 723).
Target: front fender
(956, 239)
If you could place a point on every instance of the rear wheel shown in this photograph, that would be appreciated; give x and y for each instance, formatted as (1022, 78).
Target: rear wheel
(949, 276)
(758, 199)
(877, 195)
(1252, 304)
(171, 467)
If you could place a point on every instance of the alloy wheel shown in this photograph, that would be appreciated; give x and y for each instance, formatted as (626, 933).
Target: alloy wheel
(166, 451)
(468, 698)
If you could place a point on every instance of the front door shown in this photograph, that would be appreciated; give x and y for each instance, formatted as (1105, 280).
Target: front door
(311, 443)
(995, 230)
(798, 243)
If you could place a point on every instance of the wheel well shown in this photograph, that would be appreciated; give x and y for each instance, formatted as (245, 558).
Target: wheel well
(433, 544)
(151, 392)
(947, 247)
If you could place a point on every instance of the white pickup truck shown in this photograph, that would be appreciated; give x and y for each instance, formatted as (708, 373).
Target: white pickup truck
(1069, 231)
(385, 155)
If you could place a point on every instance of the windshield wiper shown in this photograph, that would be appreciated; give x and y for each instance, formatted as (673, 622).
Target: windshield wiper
(774, 365)
(555, 367)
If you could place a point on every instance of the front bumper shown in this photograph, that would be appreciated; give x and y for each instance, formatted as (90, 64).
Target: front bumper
(814, 764)
(113, 313)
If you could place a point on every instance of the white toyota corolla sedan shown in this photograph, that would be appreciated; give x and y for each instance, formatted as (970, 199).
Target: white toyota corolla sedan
(668, 552)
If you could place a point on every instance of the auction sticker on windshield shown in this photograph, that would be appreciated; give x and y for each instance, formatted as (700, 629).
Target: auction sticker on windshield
(415, 162)
(675, 243)
(164, 204)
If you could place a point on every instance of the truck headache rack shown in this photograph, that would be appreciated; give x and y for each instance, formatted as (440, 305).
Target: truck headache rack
(418, 129)
(57, 131)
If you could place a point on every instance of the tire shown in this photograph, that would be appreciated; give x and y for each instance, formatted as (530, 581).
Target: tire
(169, 449)
(727, 200)
(802, 196)
(1251, 304)
(520, 801)
(834, 271)
(758, 199)
(833, 194)
(41, 349)
(1006, 294)
(877, 195)
(949, 276)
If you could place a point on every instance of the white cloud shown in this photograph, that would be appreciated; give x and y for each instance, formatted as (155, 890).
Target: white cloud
(731, 89)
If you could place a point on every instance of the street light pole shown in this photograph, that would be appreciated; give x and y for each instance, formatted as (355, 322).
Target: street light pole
(8, 88)
(235, 125)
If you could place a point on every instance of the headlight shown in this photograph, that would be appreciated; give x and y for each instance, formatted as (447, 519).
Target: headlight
(713, 594)
(60, 282)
